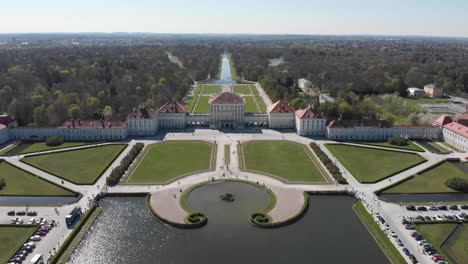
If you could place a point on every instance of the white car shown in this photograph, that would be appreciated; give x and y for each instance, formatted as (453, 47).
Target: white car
(35, 238)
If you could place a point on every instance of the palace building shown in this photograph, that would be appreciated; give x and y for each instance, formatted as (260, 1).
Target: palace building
(226, 111)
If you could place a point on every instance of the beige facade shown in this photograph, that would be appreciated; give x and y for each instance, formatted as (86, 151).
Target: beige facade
(432, 90)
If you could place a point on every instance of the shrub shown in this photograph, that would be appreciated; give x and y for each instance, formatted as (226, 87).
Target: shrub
(332, 168)
(119, 171)
(398, 141)
(457, 184)
(2, 183)
(54, 141)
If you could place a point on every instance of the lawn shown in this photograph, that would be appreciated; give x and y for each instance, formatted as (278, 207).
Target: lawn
(287, 160)
(165, 161)
(203, 106)
(430, 181)
(227, 154)
(38, 147)
(242, 89)
(83, 166)
(410, 146)
(191, 104)
(436, 234)
(379, 236)
(261, 103)
(19, 182)
(7, 149)
(458, 248)
(198, 89)
(253, 89)
(369, 165)
(211, 89)
(250, 105)
(13, 237)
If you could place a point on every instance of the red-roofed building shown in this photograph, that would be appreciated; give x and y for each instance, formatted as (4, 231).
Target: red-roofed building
(442, 120)
(281, 115)
(463, 120)
(456, 133)
(226, 111)
(377, 130)
(172, 115)
(143, 122)
(310, 123)
(6, 120)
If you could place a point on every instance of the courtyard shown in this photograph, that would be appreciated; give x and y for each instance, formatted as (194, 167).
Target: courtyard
(166, 161)
(292, 162)
(370, 165)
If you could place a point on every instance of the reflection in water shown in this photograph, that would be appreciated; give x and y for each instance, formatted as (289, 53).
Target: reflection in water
(329, 232)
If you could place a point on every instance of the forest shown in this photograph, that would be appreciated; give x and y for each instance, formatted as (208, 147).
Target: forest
(46, 85)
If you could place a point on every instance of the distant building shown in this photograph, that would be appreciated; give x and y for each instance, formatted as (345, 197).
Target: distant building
(432, 90)
(456, 133)
(281, 115)
(416, 92)
(172, 115)
(326, 98)
(226, 111)
(307, 87)
(310, 123)
(143, 122)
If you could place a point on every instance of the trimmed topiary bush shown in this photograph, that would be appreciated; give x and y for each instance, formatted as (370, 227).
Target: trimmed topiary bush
(331, 167)
(54, 141)
(458, 184)
(260, 219)
(398, 141)
(119, 171)
(196, 218)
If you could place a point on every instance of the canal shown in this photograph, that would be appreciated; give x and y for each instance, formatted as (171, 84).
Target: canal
(329, 232)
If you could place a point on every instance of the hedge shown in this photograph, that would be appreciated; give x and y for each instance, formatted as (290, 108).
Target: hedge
(54, 141)
(331, 167)
(119, 171)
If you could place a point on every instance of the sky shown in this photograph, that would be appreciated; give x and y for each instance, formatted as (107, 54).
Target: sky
(326, 17)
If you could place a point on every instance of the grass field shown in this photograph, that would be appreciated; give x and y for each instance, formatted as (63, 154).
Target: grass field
(202, 106)
(458, 248)
(227, 154)
(198, 89)
(261, 103)
(250, 105)
(431, 181)
(191, 104)
(38, 147)
(7, 149)
(287, 160)
(379, 236)
(211, 89)
(242, 89)
(450, 147)
(436, 234)
(12, 238)
(165, 161)
(19, 182)
(410, 146)
(77, 166)
(371, 165)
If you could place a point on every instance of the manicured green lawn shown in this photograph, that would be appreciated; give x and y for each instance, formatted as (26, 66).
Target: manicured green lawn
(458, 248)
(410, 146)
(380, 237)
(431, 181)
(12, 238)
(211, 89)
(250, 105)
(261, 103)
(19, 182)
(287, 160)
(242, 89)
(164, 161)
(451, 147)
(191, 104)
(198, 89)
(253, 89)
(436, 234)
(202, 106)
(372, 165)
(83, 166)
(37, 147)
(227, 154)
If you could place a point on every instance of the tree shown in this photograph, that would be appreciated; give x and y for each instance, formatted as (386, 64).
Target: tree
(458, 184)
(398, 141)
(367, 107)
(346, 111)
(6, 96)
(92, 105)
(40, 116)
(390, 118)
(12, 108)
(149, 104)
(74, 111)
(107, 112)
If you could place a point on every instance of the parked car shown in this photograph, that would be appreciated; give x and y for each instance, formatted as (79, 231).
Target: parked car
(433, 208)
(40, 233)
(30, 244)
(406, 251)
(20, 213)
(422, 208)
(399, 242)
(411, 208)
(413, 259)
(464, 207)
(442, 207)
(11, 213)
(453, 207)
(35, 238)
(427, 218)
(409, 227)
(31, 213)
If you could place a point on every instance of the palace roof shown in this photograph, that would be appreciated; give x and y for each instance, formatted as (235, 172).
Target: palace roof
(458, 128)
(226, 98)
(280, 107)
(92, 123)
(443, 120)
(308, 113)
(150, 114)
(172, 107)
